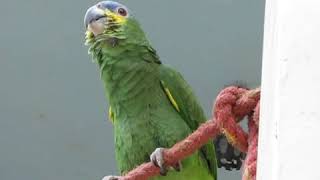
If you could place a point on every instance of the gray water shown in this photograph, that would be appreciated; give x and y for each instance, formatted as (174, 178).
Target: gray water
(52, 108)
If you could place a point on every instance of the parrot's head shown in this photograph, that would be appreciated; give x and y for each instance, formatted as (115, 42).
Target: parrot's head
(112, 22)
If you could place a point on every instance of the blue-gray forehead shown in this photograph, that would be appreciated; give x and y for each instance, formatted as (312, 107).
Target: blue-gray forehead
(111, 5)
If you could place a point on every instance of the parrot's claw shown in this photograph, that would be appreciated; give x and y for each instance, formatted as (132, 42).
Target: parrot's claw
(178, 166)
(157, 159)
(111, 178)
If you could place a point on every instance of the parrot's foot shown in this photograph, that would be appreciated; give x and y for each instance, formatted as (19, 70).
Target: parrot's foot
(111, 178)
(157, 159)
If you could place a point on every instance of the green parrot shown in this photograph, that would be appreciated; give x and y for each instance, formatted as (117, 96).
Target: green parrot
(151, 105)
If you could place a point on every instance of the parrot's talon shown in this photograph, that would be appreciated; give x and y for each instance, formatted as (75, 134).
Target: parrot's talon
(111, 178)
(163, 171)
(157, 159)
(178, 166)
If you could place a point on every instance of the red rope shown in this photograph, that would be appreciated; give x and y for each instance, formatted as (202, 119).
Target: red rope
(231, 106)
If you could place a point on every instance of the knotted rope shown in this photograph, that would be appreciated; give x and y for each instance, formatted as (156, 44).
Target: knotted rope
(231, 106)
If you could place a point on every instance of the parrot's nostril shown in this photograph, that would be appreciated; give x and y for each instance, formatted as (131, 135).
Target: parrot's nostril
(99, 6)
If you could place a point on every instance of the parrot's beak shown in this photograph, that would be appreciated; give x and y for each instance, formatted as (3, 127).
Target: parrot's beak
(95, 20)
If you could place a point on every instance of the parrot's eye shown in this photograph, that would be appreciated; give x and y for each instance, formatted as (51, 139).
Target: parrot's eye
(122, 12)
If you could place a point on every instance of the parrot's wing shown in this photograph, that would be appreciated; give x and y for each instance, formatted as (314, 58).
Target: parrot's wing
(185, 102)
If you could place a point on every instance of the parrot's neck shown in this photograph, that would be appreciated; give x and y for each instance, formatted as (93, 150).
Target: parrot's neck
(127, 70)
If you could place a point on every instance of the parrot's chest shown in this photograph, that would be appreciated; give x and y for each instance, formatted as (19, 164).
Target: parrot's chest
(143, 124)
(154, 114)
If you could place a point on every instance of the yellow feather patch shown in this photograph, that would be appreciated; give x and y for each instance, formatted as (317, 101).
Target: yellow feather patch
(89, 34)
(173, 102)
(116, 17)
(88, 37)
(231, 138)
(111, 115)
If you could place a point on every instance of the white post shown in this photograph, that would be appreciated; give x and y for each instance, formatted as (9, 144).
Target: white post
(289, 139)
